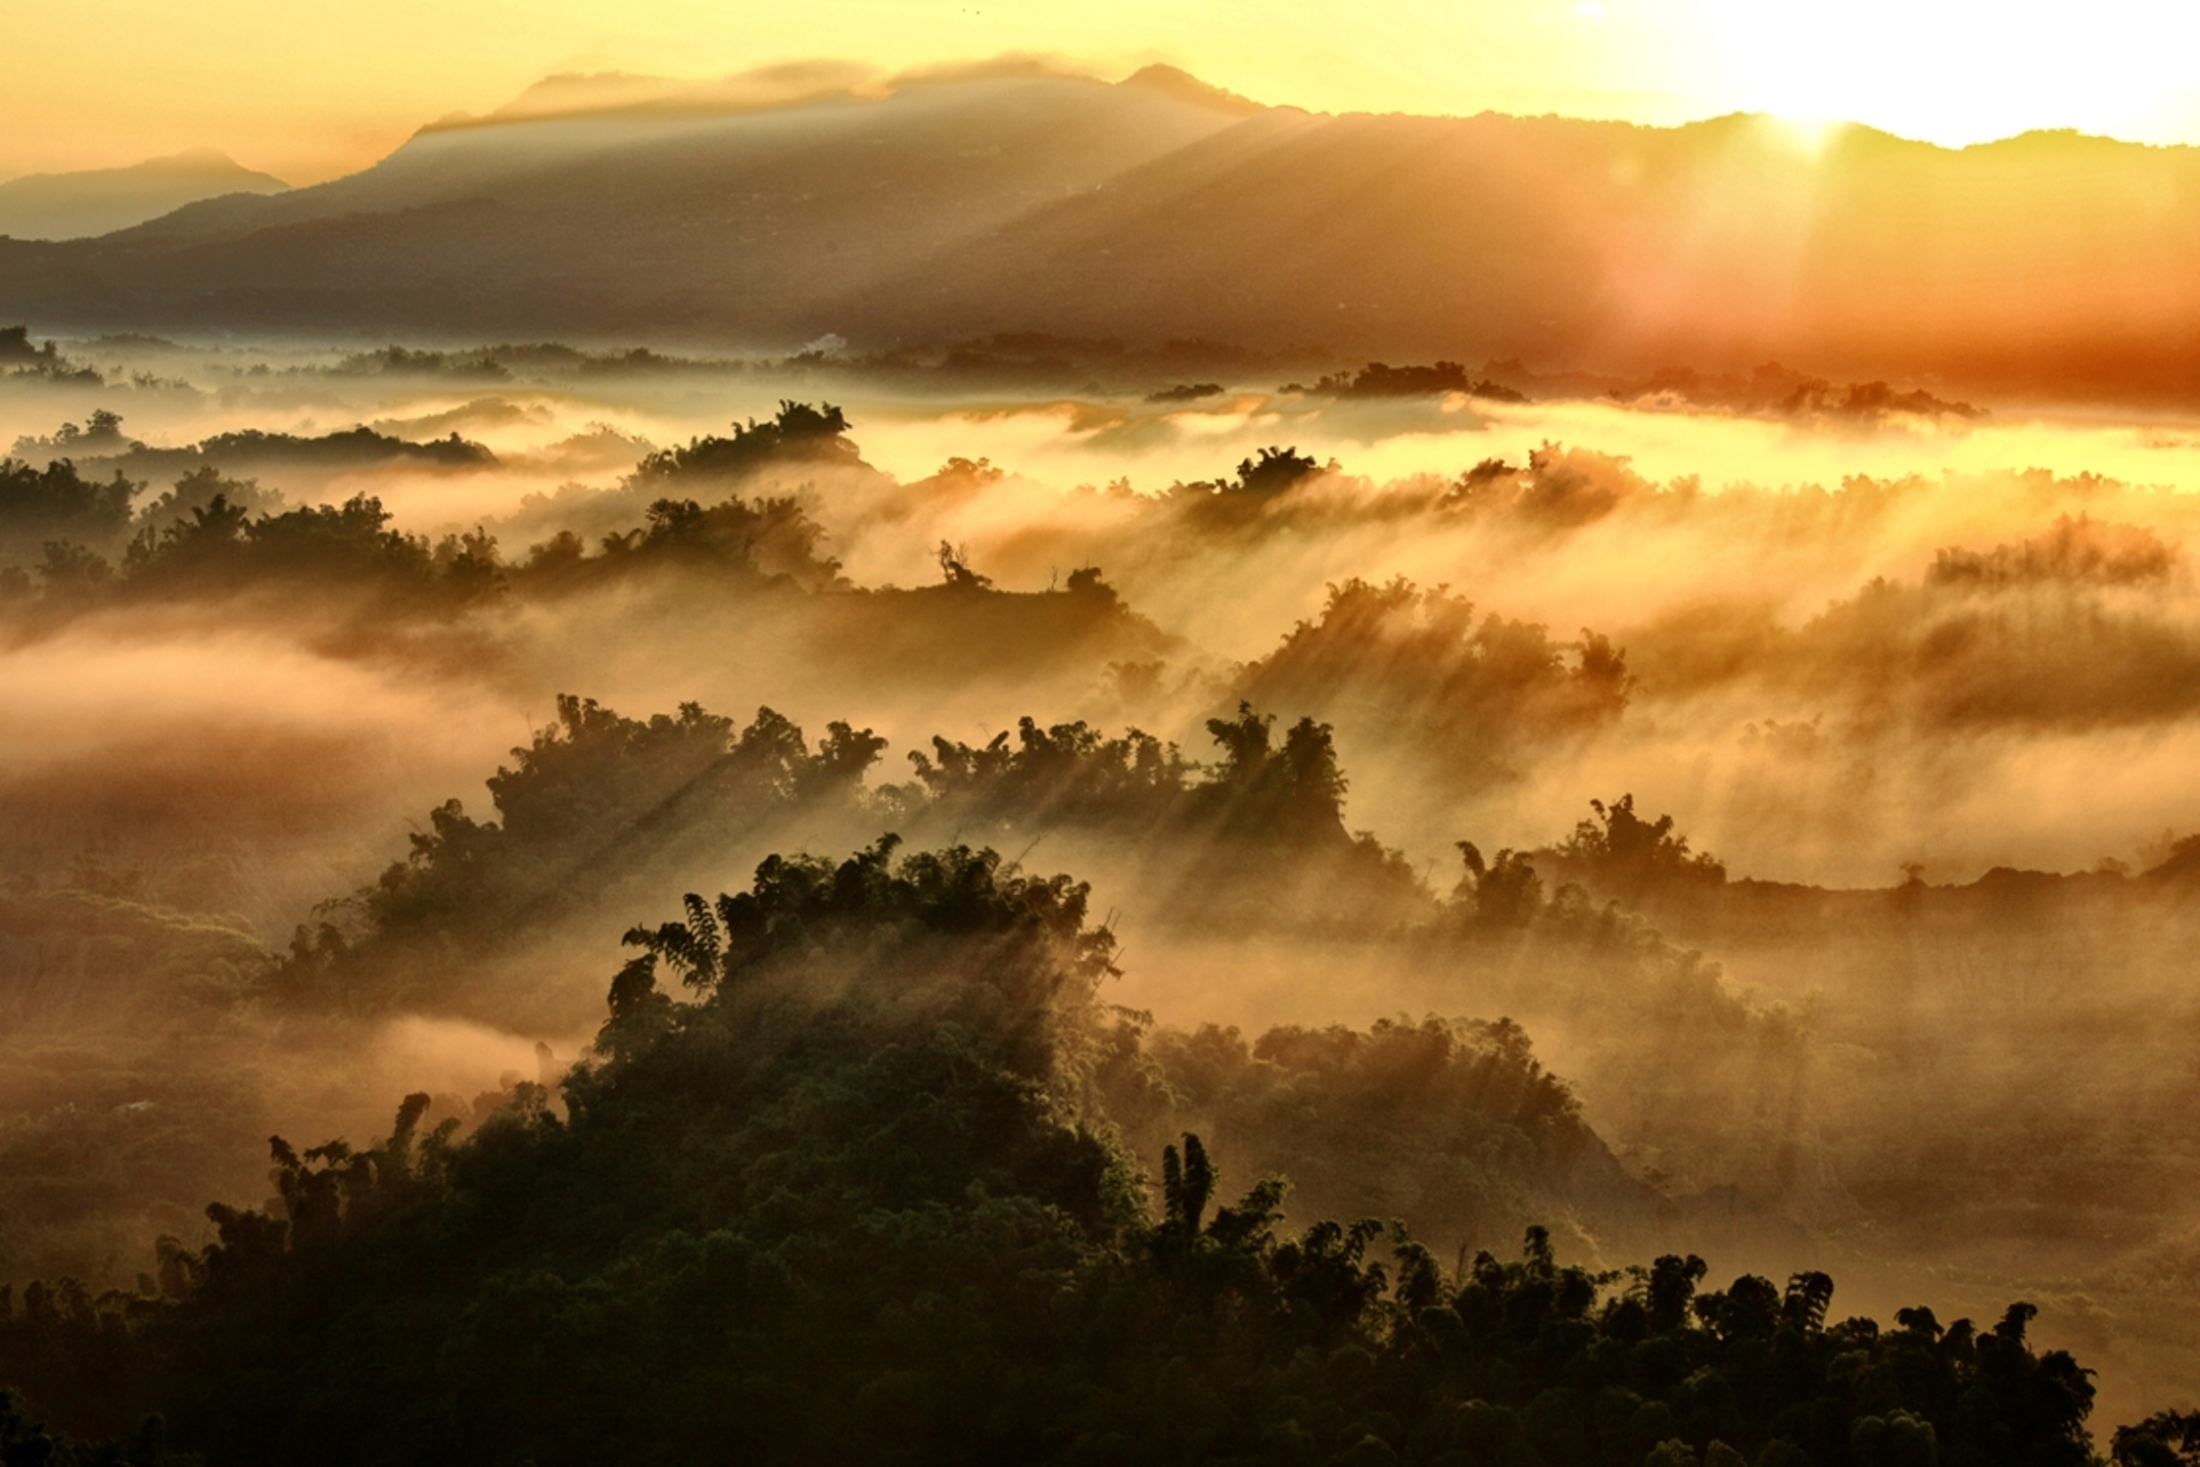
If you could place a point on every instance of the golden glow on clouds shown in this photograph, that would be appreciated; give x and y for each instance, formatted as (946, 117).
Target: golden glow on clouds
(312, 88)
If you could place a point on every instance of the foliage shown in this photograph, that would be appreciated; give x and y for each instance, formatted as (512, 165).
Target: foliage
(96, 946)
(1275, 471)
(193, 495)
(1071, 772)
(593, 795)
(18, 358)
(766, 537)
(196, 538)
(1401, 662)
(2165, 1439)
(845, 1205)
(100, 433)
(1379, 379)
(1452, 1125)
(798, 432)
(212, 534)
(1621, 851)
(1067, 772)
(351, 446)
(39, 507)
(956, 571)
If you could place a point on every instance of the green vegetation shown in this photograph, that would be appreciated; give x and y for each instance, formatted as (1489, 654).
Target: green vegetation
(213, 533)
(1619, 851)
(18, 358)
(39, 507)
(858, 1164)
(594, 800)
(1401, 664)
(858, 1198)
(1275, 471)
(1379, 379)
(797, 431)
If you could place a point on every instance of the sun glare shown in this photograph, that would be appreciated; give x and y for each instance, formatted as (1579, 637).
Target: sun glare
(1963, 72)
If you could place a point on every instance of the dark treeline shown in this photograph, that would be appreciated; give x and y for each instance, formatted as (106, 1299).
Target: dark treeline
(599, 803)
(797, 431)
(595, 801)
(1419, 666)
(213, 533)
(43, 362)
(100, 441)
(2062, 630)
(1379, 379)
(78, 538)
(203, 538)
(857, 1194)
(1777, 391)
(1074, 773)
(602, 809)
(1592, 937)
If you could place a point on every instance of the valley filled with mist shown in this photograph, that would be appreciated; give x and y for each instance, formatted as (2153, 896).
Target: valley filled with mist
(1746, 823)
(981, 765)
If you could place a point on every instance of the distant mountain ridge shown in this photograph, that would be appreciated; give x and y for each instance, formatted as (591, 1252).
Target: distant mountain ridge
(1161, 208)
(61, 206)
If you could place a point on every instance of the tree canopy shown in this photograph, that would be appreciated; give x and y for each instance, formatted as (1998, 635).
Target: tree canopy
(856, 1198)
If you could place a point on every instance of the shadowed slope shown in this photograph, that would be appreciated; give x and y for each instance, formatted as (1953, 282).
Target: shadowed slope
(1157, 209)
(746, 220)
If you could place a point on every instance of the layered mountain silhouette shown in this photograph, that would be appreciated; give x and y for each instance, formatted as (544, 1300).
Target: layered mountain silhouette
(769, 212)
(56, 206)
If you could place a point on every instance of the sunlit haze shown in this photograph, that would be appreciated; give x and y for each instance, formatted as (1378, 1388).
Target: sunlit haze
(1434, 733)
(311, 90)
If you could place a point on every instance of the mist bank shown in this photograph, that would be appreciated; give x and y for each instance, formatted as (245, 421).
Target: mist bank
(366, 699)
(1778, 1118)
(1512, 632)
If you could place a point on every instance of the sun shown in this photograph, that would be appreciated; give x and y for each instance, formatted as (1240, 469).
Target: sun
(1956, 71)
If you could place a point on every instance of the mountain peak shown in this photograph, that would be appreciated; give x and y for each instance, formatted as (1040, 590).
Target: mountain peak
(1181, 84)
(101, 200)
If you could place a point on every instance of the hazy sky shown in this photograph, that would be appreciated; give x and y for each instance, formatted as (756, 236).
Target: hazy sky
(311, 88)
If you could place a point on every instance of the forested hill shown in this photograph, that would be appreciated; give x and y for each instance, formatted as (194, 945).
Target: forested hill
(1157, 209)
(857, 1197)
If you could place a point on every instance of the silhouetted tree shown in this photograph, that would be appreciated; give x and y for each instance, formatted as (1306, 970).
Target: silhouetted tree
(797, 433)
(955, 569)
(1623, 851)
(1276, 470)
(39, 506)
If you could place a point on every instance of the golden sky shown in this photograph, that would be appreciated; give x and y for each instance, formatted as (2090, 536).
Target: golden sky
(309, 89)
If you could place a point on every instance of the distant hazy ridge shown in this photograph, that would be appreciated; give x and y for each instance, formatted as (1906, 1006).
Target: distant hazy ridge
(1155, 208)
(52, 206)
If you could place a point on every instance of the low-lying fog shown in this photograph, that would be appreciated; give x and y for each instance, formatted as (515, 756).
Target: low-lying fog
(1869, 652)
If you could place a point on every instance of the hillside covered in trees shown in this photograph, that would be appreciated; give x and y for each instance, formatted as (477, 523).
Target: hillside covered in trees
(839, 1180)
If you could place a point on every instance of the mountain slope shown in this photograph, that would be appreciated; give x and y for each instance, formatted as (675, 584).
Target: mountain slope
(53, 206)
(621, 221)
(2047, 261)
(1157, 208)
